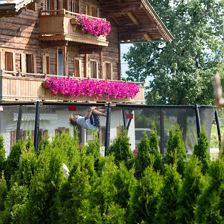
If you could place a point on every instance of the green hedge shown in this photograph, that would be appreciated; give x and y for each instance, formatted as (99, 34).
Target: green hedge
(120, 188)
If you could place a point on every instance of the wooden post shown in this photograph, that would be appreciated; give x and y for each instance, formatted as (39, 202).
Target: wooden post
(107, 134)
(18, 131)
(36, 128)
(86, 66)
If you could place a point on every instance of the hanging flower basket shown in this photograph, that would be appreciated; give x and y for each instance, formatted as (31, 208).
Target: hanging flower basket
(94, 26)
(97, 89)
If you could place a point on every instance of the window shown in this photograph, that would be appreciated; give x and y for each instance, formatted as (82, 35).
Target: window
(8, 61)
(76, 67)
(29, 63)
(73, 6)
(93, 69)
(92, 10)
(60, 63)
(108, 70)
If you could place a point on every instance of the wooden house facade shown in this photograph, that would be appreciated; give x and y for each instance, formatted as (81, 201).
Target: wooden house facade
(40, 39)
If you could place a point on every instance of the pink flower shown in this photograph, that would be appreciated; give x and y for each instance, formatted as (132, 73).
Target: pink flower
(99, 89)
(94, 26)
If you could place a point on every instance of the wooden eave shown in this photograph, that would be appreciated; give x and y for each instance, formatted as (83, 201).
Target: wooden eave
(12, 7)
(137, 21)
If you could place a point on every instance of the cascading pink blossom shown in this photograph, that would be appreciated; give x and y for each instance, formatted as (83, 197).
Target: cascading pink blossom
(98, 89)
(94, 26)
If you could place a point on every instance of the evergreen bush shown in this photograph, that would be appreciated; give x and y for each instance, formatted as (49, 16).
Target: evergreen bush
(121, 150)
(142, 160)
(166, 212)
(2, 155)
(145, 198)
(175, 151)
(201, 151)
(193, 186)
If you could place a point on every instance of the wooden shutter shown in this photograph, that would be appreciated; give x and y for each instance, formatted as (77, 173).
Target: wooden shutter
(76, 67)
(77, 6)
(29, 63)
(93, 69)
(94, 11)
(108, 70)
(8, 61)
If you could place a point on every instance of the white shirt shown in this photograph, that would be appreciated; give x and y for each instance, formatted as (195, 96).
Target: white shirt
(84, 123)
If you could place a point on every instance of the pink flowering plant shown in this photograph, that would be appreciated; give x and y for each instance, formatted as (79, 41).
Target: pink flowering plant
(94, 26)
(98, 89)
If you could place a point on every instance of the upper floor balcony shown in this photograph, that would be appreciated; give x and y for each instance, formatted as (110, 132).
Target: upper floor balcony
(63, 25)
(26, 87)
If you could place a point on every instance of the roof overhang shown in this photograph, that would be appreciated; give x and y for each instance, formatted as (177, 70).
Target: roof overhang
(137, 21)
(12, 7)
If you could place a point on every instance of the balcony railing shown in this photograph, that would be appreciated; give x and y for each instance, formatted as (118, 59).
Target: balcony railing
(60, 25)
(23, 87)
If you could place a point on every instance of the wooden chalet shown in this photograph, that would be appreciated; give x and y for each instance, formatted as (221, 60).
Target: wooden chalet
(40, 39)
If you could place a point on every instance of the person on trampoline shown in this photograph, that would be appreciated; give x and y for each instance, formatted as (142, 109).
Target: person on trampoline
(91, 120)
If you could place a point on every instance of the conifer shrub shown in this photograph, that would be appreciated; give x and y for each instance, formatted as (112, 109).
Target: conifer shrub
(143, 157)
(155, 154)
(193, 186)
(210, 206)
(2, 155)
(12, 162)
(201, 151)
(3, 194)
(145, 198)
(121, 150)
(16, 205)
(175, 150)
(166, 212)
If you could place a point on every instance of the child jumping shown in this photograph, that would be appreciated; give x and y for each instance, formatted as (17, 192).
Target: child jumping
(91, 120)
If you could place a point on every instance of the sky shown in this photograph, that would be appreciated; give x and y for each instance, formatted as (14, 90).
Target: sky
(124, 64)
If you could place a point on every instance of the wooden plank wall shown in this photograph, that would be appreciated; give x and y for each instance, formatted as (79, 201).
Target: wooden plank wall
(19, 34)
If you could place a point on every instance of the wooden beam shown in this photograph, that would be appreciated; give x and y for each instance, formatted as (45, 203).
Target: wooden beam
(133, 18)
(147, 37)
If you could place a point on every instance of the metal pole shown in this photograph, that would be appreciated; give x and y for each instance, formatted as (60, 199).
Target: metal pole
(36, 128)
(18, 134)
(198, 120)
(124, 118)
(162, 135)
(107, 134)
(218, 128)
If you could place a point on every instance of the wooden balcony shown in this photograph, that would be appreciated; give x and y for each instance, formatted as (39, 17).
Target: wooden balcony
(24, 87)
(60, 25)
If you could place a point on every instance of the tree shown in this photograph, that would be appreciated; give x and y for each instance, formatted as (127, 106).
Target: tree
(201, 151)
(180, 72)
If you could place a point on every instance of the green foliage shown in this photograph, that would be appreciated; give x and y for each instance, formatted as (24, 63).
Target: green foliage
(193, 186)
(2, 155)
(175, 151)
(121, 150)
(210, 206)
(180, 72)
(201, 151)
(145, 198)
(166, 212)
(143, 157)
(12, 162)
(155, 155)
(16, 205)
